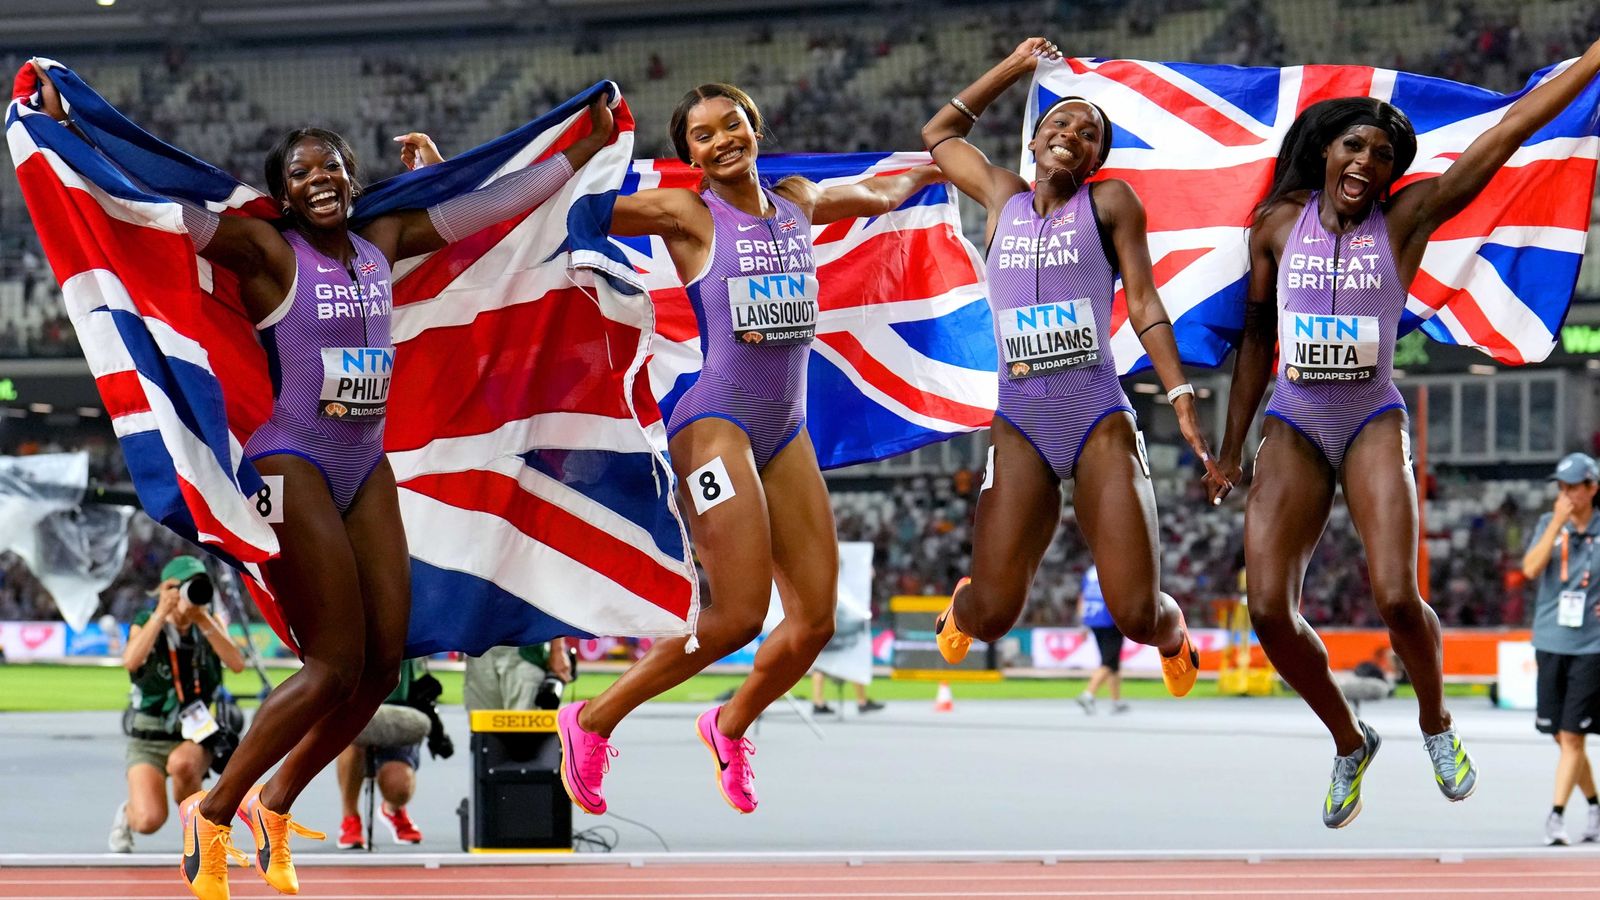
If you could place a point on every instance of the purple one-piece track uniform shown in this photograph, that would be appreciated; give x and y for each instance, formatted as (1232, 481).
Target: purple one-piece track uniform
(1051, 283)
(756, 305)
(1339, 305)
(330, 358)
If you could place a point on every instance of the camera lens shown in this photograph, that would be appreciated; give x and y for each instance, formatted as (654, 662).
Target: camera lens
(197, 590)
(549, 695)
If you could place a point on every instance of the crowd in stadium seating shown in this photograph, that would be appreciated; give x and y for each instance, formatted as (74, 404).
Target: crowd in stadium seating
(842, 96)
(922, 531)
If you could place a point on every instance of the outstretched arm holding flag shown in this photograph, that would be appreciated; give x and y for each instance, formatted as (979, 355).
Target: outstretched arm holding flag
(1336, 244)
(319, 290)
(1056, 245)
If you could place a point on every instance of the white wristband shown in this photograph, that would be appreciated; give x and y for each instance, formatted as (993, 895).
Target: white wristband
(1179, 391)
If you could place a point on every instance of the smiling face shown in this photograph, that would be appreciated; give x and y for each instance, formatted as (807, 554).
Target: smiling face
(721, 139)
(316, 184)
(1360, 165)
(1068, 142)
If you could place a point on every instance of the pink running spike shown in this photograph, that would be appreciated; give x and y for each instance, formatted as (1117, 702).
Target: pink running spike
(734, 777)
(585, 760)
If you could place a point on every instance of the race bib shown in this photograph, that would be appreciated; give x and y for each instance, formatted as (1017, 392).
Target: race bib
(196, 723)
(710, 486)
(1049, 337)
(1328, 349)
(773, 310)
(269, 500)
(355, 381)
(1569, 614)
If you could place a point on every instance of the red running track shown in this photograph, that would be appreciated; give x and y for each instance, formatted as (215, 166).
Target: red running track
(1544, 876)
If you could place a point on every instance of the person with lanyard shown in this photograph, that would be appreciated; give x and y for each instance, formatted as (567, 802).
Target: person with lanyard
(319, 293)
(1055, 250)
(1562, 559)
(1334, 247)
(1095, 616)
(174, 657)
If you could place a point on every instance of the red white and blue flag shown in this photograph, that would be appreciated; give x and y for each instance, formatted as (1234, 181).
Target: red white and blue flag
(535, 504)
(904, 353)
(1198, 144)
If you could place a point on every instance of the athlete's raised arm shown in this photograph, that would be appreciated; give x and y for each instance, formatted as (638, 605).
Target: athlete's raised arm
(249, 247)
(1422, 207)
(411, 232)
(946, 133)
(867, 197)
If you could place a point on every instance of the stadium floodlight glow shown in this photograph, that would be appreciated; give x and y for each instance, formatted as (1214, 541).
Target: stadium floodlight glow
(1480, 369)
(1145, 388)
(106, 2)
(89, 412)
(42, 408)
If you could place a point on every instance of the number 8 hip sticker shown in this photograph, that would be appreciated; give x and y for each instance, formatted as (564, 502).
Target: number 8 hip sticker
(710, 485)
(269, 500)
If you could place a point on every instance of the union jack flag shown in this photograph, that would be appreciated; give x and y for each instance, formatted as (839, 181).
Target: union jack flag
(367, 268)
(904, 353)
(514, 417)
(788, 225)
(1362, 242)
(1198, 143)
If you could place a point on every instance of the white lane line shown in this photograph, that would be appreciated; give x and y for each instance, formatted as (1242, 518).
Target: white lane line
(543, 894)
(1064, 874)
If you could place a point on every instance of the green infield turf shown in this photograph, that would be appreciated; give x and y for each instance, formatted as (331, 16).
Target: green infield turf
(52, 688)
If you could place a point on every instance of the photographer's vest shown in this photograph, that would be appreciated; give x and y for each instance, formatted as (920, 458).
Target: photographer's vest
(156, 692)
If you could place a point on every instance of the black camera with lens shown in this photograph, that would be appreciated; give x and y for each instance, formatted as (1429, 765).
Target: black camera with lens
(198, 590)
(551, 689)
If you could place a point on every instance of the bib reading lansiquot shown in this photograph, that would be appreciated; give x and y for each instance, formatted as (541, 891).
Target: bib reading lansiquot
(355, 381)
(773, 310)
(1318, 349)
(1048, 337)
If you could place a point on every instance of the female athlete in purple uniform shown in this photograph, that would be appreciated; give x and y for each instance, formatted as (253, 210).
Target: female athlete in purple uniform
(320, 296)
(1332, 255)
(1055, 250)
(757, 505)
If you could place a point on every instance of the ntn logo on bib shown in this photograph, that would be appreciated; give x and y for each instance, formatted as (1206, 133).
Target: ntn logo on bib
(1329, 348)
(773, 310)
(1049, 337)
(355, 381)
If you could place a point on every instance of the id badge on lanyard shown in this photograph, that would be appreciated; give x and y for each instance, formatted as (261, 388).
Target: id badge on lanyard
(1570, 604)
(194, 718)
(196, 722)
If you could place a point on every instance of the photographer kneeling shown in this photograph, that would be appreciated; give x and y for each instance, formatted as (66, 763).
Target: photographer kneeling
(174, 658)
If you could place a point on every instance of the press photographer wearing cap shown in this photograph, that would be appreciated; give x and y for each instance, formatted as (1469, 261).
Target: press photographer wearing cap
(174, 658)
(1563, 561)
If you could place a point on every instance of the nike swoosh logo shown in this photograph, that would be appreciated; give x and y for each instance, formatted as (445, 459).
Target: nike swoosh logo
(264, 855)
(191, 858)
(321, 269)
(567, 761)
(1019, 221)
(748, 227)
(1311, 240)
